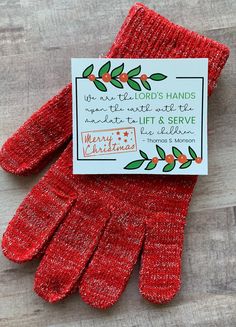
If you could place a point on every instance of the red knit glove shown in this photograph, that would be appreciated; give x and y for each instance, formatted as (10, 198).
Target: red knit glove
(103, 220)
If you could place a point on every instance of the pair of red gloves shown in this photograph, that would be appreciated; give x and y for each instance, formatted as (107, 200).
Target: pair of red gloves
(91, 229)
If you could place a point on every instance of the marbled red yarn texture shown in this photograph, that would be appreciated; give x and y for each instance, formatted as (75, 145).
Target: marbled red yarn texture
(90, 230)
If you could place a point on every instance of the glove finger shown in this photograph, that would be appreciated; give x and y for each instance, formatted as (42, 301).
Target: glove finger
(34, 143)
(161, 258)
(35, 222)
(70, 250)
(110, 268)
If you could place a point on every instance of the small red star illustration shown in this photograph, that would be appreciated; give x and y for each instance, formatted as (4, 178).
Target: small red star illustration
(117, 133)
(125, 140)
(119, 138)
(126, 133)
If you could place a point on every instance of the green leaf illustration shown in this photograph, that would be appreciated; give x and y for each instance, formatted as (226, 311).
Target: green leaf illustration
(134, 72)
(88, 71)
(169, 167)
(117, 71)
(134, 164)
(134, 85)
(161, 152)
(146, 85)
(150, 166)
(116, 83)
(192, 152)
(100, 86)
(143, 154)
(104, 69)
(176, 152)
(186, 164)
(157, 77)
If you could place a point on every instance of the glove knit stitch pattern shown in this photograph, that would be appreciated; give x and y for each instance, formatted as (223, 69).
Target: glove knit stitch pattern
(91, 229)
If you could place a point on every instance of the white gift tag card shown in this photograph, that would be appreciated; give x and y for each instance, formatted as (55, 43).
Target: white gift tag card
(140, 116)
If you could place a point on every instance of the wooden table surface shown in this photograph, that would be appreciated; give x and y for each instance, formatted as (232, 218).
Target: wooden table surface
(37, 40)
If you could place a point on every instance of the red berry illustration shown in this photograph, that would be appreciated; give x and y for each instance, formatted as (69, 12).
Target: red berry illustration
(143, 77)
(198, 160)
(106, 77)
(155, 160)
(169, 158)
(92, 77)
(124, 77)
(182, 158)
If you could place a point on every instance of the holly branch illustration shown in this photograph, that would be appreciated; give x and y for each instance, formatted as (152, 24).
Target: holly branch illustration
(170, 159)
(117, 77)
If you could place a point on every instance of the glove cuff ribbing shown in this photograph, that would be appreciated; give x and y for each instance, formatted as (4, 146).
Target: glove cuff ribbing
(146, 34)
